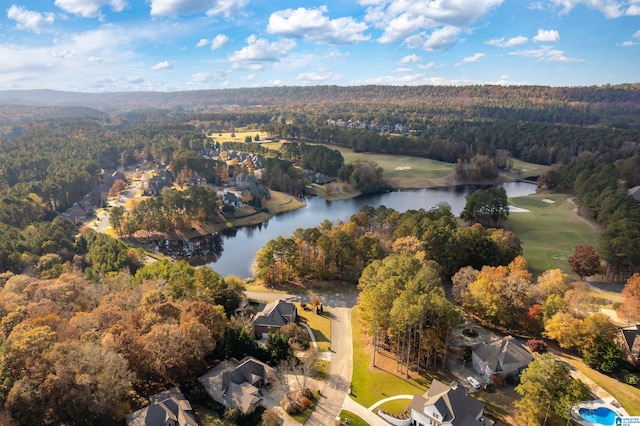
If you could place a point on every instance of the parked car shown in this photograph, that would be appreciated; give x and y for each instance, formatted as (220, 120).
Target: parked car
(473, 382)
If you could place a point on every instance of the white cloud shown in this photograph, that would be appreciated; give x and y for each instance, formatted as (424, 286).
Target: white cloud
(203, 42)
(471, 59)
(440, 39)
(261, 50)
(90, 8)
(313, 25)
(609, 8)
(545, 54)
(321, 75)
(409, 59)
(219, 41)
(29, 19)
(426, 66)
(163, 65)
(546, 36)
(513, 41)
(408, 20)
(173, 8)
(637, 34)
(135, 80)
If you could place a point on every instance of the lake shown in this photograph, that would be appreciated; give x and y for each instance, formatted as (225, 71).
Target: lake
(239, 246)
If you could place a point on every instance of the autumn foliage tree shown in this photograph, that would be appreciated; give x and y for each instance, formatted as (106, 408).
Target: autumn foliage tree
(585, 261)
(546, 385)
(631, 292)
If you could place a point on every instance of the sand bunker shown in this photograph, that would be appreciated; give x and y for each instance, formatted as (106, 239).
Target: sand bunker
(403, 168)
(514, 209)
(546, 200)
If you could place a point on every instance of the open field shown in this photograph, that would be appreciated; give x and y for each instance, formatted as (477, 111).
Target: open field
(238, 136)
(370, 385)
(549, 232)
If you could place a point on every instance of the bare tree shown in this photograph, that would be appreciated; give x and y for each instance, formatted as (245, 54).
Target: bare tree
(301, 368)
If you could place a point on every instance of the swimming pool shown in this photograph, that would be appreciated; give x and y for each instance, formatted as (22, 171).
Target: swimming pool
(598, 416)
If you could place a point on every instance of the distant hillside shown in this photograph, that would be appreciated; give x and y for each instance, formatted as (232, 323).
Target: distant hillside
(604, 105)
(304, 94)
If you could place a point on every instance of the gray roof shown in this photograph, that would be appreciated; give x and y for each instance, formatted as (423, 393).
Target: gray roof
(631, 336)
(278, 313)
(452, 402)
(635, 193)
(168, 408)
(497, 353)
(237, 384)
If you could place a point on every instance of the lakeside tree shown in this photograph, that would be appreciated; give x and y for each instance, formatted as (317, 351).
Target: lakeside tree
(489, 207)
(546, 385)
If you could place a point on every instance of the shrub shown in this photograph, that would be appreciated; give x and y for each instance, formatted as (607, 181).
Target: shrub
(632, 379)
(512, 379)
(538, 346)
(470, 332)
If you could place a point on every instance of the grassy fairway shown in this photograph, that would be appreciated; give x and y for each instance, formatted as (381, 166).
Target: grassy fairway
(521, 170)
(400, 165)
(549, 232)
(371, 385)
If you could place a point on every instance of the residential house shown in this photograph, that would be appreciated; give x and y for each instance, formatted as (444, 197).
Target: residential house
(156, 184)
(501, 356)
(274, 316)
(168, 408)
(630, 342)
(229, 199)
(78, 212)
(197, 179)
(98, 195)
(245, 183)
(110, 176)
(444, 405)
(238, 384)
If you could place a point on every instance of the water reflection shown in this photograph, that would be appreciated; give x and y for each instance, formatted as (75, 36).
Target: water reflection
(240, 245)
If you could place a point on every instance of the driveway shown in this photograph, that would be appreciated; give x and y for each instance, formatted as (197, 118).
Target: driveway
(339, 378)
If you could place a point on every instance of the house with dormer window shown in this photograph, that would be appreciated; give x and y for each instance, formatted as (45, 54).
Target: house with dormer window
(446, 405)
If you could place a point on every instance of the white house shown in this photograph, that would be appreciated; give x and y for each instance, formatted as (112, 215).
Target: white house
(444, 405)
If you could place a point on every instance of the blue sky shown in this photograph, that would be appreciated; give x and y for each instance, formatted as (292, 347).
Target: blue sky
(167, 45)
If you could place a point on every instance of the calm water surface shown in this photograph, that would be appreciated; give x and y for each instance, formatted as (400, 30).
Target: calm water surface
(240, 247)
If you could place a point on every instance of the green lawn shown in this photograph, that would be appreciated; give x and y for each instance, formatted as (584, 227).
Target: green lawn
(400, 165)
(320, 325)
(395, 407)
(627, 395)
(369, 386)
(549, 232)
(353, 419)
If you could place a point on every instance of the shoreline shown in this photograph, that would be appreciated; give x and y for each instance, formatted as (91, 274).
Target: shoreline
(293, 203)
